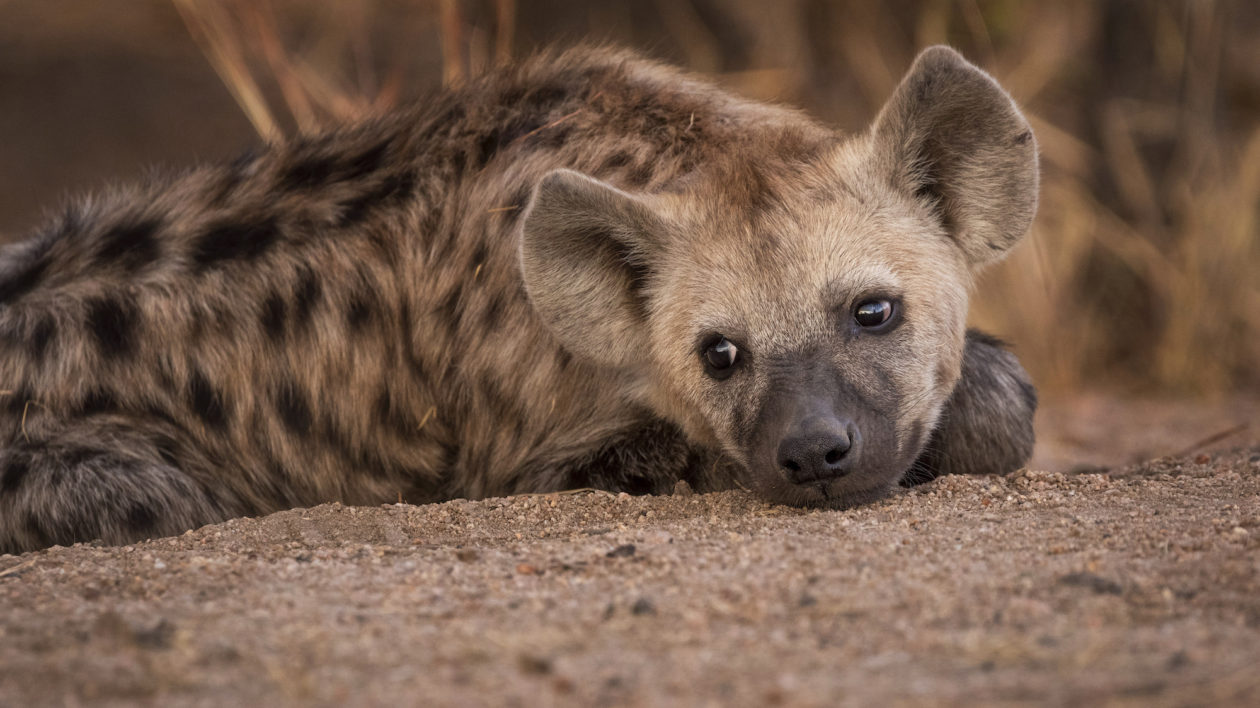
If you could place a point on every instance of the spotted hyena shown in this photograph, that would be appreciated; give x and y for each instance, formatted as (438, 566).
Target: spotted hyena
(590, 270)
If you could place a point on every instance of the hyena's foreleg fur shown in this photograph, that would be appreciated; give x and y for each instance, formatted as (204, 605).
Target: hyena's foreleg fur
(987, 424)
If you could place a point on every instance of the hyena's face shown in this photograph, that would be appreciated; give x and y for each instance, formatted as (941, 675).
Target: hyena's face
(815, 344)
(813, 333)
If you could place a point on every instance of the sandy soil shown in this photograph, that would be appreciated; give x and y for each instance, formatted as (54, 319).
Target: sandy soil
(1140, 586)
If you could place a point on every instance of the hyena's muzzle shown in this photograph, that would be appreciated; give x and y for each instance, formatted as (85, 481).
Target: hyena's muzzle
(819, 440)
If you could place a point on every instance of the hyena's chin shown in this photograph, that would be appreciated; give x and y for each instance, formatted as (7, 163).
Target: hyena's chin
(861, 487)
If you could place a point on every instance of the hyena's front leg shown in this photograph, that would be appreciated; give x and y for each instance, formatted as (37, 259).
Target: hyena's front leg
(987, 424)
(84, 481)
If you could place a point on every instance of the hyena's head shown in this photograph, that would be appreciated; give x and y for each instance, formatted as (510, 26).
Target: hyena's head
(805, 316)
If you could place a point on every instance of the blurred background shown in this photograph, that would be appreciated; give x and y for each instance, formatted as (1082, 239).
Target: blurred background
(1142, 275)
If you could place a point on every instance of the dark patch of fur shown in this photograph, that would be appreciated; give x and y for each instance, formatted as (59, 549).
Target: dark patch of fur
(309, 173)
(14, 473)
(274, 314)
(141, 519)
(41, 337)
(232, 241)
(113, 322)
(359, 312)
(26, 280)
(206, 402)
(131, 245)
(306, 297)
(393, 190)
(293, 408)
(98, 400)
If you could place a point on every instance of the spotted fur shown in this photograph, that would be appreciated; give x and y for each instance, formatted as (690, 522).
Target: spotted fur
(346, 316)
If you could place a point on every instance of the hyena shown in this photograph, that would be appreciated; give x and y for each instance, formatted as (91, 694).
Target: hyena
(590, 270)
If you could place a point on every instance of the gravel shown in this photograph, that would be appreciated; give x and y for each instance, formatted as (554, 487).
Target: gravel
(1141, 586)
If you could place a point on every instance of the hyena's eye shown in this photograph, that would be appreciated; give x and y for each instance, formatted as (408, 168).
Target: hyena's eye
(720, 357)
(873, 313)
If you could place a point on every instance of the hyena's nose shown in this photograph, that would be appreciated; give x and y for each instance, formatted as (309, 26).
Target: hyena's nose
(818, 450)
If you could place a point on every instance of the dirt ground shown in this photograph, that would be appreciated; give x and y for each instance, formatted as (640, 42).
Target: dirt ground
(1137, 586)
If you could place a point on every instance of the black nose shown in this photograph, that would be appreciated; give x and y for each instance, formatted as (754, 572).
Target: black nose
(820, 450)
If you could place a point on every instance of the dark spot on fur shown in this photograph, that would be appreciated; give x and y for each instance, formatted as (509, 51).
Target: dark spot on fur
(227, 241)
(306, 297)
(393, 190)
(113, 323)
(1023, 138)
(206, 402)
(564, 360)
(367, 162)
(14, 473)
(492, 143)
(141, 519)
(26, 280)
(133, 245)
(293, 408)
(359, 312)
(98, 400)
(273, 316)
(388, 414)
(615, 161)
(41, 337)
(308, 173)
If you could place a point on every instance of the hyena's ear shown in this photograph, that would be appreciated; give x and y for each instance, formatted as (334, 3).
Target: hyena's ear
(587, 251)
(952, 135)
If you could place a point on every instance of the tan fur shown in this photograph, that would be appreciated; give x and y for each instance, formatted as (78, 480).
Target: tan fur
(498, 291)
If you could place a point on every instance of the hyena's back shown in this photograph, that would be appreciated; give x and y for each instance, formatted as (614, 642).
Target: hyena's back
(339, 318)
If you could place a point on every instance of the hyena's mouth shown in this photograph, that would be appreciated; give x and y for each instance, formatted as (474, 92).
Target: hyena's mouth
(837, 494)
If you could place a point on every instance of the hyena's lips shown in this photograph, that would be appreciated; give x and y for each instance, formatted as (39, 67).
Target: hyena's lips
(855, 489)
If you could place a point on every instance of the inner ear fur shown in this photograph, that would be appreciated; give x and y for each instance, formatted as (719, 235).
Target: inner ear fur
(950, 134)
(586, 256)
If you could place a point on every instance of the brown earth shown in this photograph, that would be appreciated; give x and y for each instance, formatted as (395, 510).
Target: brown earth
(1139, 586)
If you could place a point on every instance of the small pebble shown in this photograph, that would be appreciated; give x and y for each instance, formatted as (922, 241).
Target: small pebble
(623, 551)
(643, 606)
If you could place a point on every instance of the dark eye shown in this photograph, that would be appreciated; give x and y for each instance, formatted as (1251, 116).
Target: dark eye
(873, 313)
(720, 358)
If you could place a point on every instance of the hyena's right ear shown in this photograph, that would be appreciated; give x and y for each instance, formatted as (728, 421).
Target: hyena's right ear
(951, 135)
(587, 252)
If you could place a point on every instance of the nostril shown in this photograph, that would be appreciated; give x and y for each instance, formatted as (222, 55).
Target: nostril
(834, 455)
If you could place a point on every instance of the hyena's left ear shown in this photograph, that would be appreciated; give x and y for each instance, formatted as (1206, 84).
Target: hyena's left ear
(587, 250)
(952, 135)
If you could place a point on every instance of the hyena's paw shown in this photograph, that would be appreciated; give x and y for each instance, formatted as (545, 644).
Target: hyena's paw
(117, 488)
(987, 424)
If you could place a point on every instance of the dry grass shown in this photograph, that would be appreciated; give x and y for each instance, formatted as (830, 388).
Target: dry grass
(1143, 267)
